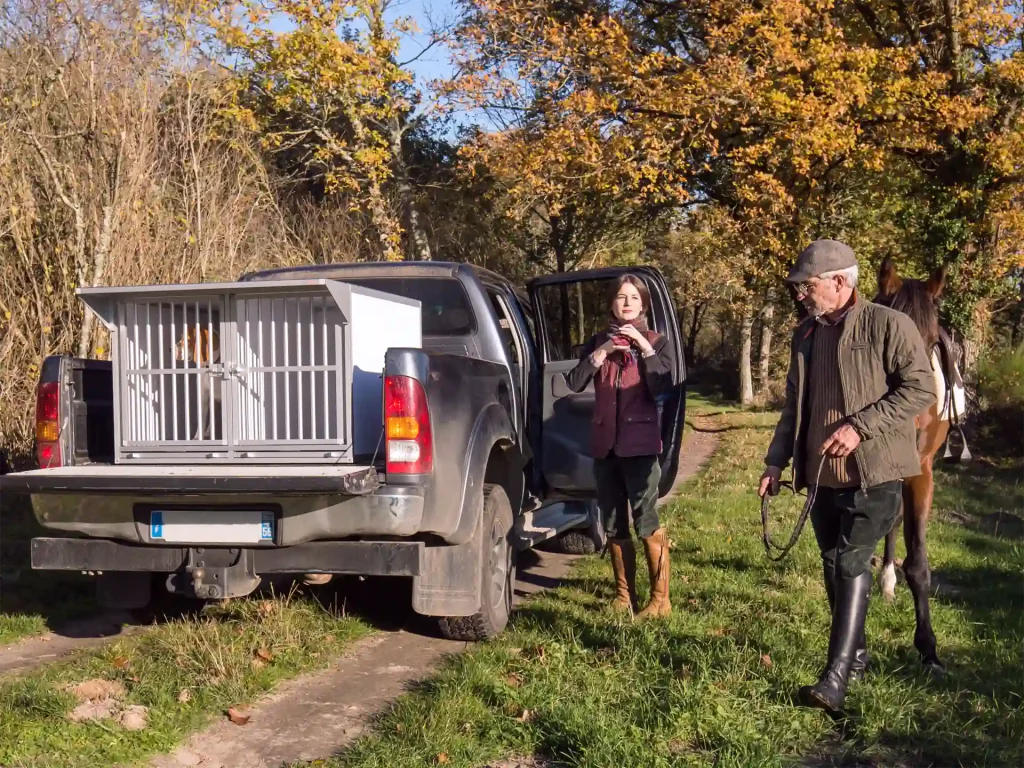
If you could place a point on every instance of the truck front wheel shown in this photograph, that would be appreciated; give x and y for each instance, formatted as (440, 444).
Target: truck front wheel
(497, 574)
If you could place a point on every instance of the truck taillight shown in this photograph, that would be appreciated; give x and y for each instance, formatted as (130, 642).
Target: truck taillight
(410, 444)
(48, 425)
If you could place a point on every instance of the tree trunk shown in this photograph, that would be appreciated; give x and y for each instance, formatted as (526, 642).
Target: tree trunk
(696, 322)
(764, 363)
(102, 251)
(557, 243)
(419, 245)
(746, 379)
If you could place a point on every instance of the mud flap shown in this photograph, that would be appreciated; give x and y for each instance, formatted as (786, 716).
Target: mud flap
(449, 579)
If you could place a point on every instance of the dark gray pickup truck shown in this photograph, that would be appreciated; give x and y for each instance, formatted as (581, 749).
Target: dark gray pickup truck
(403, 419)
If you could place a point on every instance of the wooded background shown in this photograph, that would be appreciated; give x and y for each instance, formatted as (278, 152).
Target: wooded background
(186, 140)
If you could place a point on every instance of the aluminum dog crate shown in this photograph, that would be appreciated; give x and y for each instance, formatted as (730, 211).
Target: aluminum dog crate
(271, 372)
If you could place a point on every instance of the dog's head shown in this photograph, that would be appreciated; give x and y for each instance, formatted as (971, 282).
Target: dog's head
(200, 348)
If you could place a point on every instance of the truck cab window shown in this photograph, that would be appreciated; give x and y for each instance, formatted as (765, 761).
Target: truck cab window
(507, 329)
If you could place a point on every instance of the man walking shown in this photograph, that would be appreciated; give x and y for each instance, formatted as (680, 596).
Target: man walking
(858, 377)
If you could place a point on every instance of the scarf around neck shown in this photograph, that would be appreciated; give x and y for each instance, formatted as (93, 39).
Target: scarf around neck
(626, 358)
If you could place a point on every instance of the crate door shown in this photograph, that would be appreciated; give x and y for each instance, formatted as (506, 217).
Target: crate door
(289, 375)
(170, 356)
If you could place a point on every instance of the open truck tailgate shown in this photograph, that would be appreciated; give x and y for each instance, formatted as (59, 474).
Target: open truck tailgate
(286, 479)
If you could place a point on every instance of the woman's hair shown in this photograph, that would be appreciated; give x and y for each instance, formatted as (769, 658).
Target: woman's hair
(641, 288)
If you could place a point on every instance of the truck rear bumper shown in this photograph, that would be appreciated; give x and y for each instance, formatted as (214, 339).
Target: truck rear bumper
(298, 519)
(368, 558)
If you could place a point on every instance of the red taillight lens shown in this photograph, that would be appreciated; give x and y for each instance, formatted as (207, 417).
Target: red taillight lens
(48, 425)
(410, 444)
(47, 401)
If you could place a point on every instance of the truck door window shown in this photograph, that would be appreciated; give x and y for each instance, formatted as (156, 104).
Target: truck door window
(572, 313)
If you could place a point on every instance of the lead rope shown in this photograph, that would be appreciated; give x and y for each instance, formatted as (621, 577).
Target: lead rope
(770, 545)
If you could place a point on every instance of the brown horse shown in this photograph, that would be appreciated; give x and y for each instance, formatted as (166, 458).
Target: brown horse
(918, 299)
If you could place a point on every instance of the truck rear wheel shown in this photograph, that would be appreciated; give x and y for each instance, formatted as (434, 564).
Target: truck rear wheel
(497, 574)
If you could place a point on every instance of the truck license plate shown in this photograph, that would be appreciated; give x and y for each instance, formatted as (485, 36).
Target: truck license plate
(204, 526)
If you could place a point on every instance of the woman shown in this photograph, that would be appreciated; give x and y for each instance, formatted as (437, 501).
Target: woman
(631, 366)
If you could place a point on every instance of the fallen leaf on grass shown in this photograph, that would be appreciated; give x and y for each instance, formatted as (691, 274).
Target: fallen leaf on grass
(185, 696)
(120, 662)
(514, 680)
(767, 660)
(442, 758)
(237, 717)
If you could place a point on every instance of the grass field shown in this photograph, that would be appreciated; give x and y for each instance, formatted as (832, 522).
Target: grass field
(572, 684)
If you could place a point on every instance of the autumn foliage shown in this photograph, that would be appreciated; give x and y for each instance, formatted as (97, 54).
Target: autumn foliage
(192, 139)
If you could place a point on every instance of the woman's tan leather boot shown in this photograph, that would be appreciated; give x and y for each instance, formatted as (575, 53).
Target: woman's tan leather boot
(658, 566)
(623, 556)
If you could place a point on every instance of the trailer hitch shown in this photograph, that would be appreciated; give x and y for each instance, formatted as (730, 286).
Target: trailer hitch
(215, 573)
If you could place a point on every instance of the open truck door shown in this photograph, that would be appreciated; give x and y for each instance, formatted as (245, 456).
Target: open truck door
(569, 308)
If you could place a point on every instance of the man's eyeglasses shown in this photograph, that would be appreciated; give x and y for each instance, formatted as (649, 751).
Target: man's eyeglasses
(804, 288)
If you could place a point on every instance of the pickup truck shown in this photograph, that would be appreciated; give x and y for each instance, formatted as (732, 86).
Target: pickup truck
(479, 449)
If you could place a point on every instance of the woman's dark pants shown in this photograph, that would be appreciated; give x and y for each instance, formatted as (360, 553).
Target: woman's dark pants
(626, 484)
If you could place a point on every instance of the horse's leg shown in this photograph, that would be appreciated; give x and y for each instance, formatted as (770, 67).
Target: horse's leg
(887, 576)
(917, 504)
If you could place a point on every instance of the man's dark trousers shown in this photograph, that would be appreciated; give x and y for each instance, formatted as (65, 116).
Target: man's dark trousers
(848, 523)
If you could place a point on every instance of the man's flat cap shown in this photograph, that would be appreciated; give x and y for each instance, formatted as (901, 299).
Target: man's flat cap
(819, 257)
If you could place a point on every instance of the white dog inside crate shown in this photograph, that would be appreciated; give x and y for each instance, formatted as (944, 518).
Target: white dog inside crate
(201, 348)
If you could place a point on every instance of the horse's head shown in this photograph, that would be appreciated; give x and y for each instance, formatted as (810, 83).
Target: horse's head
(916, 298)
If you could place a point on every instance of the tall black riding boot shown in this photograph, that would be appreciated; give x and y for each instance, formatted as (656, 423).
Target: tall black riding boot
(860, 658)
(851, 605)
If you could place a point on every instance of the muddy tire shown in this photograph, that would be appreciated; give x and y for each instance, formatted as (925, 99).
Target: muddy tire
(497, 574)
(576, 542)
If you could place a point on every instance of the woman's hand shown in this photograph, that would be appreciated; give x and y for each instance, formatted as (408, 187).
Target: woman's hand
(638, 338)
(599, 355)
